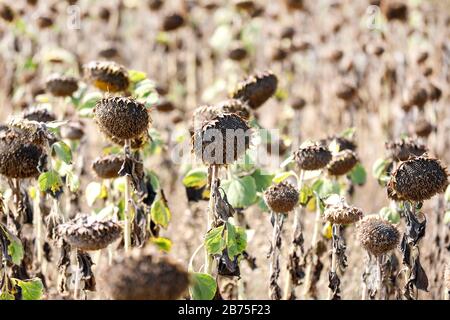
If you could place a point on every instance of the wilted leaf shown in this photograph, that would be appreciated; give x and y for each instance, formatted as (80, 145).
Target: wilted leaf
(50, 180)
(327, 230)
(163, 244)
(203, 286)
(236, 241)
(6, 296)
(196, 178)
(160, 213)
(32, 289)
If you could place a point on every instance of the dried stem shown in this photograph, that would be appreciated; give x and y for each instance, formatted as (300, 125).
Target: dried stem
(210, 215)
(309, 270)
(127, 226)
(76, 289)
(274, 288)
(380, 286)
(37, 222)
(415, 276)
(293, 278)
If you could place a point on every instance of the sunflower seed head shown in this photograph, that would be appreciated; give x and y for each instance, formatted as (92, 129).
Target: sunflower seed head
(256, 89)
(234, 106)
(312, 157)
(404, 149)
(342, 163)
(87, 233)
(121, 117)
(222, 140)
(108, 167)
(342, 214)
(377, 235)
(144, 274)
(107, 75)
(282, 197)
(418, 179)
(342, 143)
(136, 143)
(172, 22)
(74, 130)
(61, 86)
(19, 158)
(394, 10)
(39, 114)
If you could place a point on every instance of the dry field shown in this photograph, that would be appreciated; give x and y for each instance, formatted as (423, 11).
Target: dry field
(224, 149)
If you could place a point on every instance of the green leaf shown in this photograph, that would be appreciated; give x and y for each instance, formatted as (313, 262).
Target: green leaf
(154, 180)
(262, 205)
(160, 213)
(136, 76)
(32, 289)
(50, 180)
(151, 99)
(262, 180)
(203, 286)
(93, 192)
(196, 178)
(90, 100)
(379, 168)
(72, 182)
(447, 194)
(241, 192)
(311, 174)
(281, 176)
(348, 133)
(305, 195)
(163, 244)
(326, 187)
(144, 90)
(15, 250)
(236, 240)
(390, 214)
(447, 217)
(287, 161)
(6, 296)
(358, 175)
(62, 151)
(55, 124)
(107, 212)
(214, 242)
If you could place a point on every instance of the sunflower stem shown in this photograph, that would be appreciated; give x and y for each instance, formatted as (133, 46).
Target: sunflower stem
(127, 227)
(210, 215)
(309, 269)
(289, 291)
